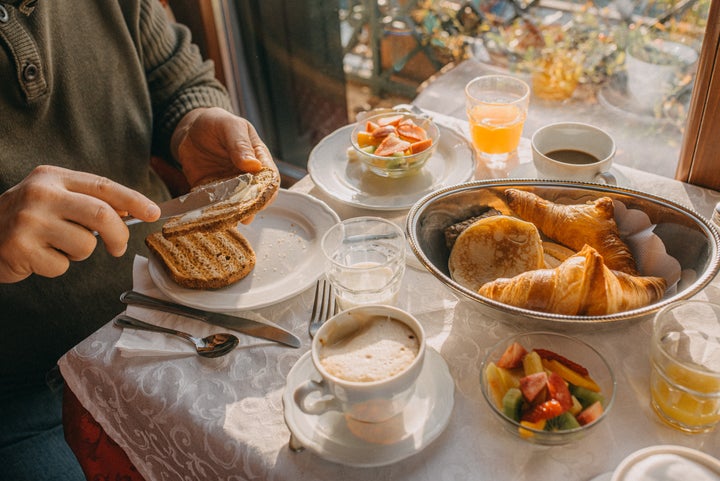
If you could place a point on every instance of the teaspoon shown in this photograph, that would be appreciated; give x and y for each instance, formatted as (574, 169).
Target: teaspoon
(214, 345)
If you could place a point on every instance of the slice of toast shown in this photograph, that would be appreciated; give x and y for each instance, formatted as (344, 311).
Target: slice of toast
(204, 260)
(226, 214)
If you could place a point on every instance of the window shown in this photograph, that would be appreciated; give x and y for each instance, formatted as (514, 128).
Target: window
(624, 65)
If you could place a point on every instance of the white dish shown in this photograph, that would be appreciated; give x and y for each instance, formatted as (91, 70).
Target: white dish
(333, 438)
(352, 183)
(286, 239)
(668, 462)
(528, 171)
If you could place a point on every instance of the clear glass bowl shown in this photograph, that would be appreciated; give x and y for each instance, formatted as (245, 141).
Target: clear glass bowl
(571, 348)
(400, 165)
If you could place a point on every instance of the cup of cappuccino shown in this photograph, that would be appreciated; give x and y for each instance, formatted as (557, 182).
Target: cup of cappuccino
(573, 151)
(369, 358)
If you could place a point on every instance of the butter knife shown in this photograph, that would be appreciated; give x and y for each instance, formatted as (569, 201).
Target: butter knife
(201, 197)
(240, 324)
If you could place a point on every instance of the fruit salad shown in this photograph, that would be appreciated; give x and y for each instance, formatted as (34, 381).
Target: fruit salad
(395, 135)
(543, 390)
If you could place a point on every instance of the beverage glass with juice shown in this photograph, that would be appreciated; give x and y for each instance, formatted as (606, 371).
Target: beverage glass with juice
(685, 361)
(496, 107)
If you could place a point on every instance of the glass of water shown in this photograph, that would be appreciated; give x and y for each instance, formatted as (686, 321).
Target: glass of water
(366, 260)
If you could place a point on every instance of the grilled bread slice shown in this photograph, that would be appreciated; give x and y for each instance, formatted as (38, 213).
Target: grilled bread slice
(204, 260)
(226, 214)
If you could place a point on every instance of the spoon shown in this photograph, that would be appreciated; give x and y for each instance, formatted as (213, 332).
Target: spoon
(214, 345)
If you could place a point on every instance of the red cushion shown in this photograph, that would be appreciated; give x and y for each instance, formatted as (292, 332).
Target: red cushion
(99, 456)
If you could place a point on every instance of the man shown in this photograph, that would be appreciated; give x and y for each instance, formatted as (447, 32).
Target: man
(90, 89)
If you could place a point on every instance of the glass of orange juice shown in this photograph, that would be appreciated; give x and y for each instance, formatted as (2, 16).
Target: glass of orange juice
(496, 107)
(685, 374)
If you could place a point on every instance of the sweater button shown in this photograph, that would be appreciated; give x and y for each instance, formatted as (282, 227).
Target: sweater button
(4, 17)
(30, 72)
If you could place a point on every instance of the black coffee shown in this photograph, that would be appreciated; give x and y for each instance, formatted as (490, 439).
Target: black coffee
(571, 156)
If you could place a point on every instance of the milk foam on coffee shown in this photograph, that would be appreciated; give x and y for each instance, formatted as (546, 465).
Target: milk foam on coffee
(380, 349)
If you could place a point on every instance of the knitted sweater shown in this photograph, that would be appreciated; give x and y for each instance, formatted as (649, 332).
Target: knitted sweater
(95, 86)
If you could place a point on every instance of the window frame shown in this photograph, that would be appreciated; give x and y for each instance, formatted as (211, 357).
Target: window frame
(698, 163)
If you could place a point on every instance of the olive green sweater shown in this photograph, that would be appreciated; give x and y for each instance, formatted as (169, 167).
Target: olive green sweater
(95, 86)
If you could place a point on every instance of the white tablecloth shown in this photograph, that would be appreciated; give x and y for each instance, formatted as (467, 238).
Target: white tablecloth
(193, 418)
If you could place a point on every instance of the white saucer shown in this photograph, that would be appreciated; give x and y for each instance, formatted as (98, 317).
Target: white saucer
(351, 183)
(528, 171)
(333, 438)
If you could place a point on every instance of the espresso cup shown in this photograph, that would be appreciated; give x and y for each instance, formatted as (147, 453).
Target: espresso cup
(573, 151)
(369, 358)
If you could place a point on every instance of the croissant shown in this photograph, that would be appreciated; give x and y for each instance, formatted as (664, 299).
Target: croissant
(576, 225)
(582, 285)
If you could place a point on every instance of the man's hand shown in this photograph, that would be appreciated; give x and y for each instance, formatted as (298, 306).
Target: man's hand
(212, 143)
(48, 219)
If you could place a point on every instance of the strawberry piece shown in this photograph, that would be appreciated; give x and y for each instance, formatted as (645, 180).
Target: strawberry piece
(590, 414)
(512, 357)
(547, 410)
(391, 145)
(558, 390)
(550, 355)
(533, 384)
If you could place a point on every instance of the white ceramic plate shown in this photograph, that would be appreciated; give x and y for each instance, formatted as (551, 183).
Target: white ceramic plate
(286, 239)
(528, 171)
(350, 182)
(332, 438)
(668, 462)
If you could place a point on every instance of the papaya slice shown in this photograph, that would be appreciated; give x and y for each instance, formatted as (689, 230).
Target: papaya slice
(370, 126)
(390, 120)
(411, 131)
(391, 145)
(417, 147)
(384, 131)
(571, 376)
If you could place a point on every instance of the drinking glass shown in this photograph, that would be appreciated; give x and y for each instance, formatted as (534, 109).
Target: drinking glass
(496, 107)
(366, 260)
(685, 374)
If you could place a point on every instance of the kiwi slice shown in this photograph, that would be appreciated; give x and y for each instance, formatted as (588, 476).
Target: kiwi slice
(586, 396)
(512, 403)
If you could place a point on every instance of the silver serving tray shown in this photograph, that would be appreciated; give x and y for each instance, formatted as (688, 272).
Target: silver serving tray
(687, 236)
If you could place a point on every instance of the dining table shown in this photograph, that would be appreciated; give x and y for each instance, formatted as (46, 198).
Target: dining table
(174, 415)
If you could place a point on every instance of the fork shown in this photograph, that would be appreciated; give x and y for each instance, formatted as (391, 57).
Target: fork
(323, 307)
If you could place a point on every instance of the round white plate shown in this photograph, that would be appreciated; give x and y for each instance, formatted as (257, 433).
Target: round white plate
(350, 182)
(332, 437)
(286, 239)
(673, 462)
(528, 171)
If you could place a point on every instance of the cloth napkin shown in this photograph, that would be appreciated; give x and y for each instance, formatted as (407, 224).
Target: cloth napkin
(133, 342)
(648, 249)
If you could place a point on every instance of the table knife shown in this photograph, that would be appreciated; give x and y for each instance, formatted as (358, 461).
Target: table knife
(201, 197)
(240, 324)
